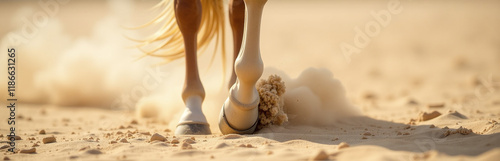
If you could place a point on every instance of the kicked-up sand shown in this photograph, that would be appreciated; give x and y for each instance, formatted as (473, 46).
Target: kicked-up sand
(425, 84)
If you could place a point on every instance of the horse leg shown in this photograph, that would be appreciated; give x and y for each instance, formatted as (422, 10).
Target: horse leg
(237, 21)
(192, 122)
(239, 113)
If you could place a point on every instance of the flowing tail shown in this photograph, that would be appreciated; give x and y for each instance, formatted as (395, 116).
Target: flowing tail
(167, 42)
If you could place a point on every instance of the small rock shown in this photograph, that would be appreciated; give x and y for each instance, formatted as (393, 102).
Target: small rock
(436, 105)
(232, 136)
(321, 155)
(174, 141)
(364, 137)
(249, 146)
(432, 126)
(41, 132)
(31, 150)
(15, 137)
(158, 137)
(35, 145)
(94, 151)
(134, 122)
(367, 134)
(6, 158)
(145, 133)
(124, 140)
(167, 130)
(50, 139)
(406, 133)
(113, 142)
(119, 132)
(221, 145)
(185, 146)
(343, 145)
(189, 141)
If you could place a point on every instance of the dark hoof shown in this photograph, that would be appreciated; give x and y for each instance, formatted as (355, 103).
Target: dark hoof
(193, 129)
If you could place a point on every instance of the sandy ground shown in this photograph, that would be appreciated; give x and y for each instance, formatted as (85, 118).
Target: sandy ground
(426, 87)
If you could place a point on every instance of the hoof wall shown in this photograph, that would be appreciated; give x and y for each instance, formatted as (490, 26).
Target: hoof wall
(193, 129)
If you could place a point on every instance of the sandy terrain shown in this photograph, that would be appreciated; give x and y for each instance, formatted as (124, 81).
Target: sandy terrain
(426, 86)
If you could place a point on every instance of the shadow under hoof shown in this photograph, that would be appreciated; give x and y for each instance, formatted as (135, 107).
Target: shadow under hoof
(193, 129)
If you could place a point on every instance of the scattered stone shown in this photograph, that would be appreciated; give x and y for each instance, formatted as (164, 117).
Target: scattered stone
(124, 140)
(50, 139)
(94, 151)
(41, 132)
(242, 145)
(407, 127)
(436, 105)
(134, 122)
(399, 133)
(4, 147)
(119, 133)
(189, 141)
(428, 116)
(432, 126)
(406, 133)
(35, 145)
(367, 134)
(113, 142)
(31, 150)
(15, 137)
(221, 145)
(321, 155)
(343, 145)
(158, 137)
(232, 136)
(193, 138)
(335, 139)
(121, 127)
(145, 133)
(364, 137)
(185, 146)
(167, 130)
(249, 146)
(174, 141)
(6, 158)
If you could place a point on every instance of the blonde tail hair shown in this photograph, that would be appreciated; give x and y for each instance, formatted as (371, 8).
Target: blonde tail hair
(212, 27)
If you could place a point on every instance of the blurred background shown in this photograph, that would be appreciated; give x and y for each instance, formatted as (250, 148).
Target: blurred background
(74, 52)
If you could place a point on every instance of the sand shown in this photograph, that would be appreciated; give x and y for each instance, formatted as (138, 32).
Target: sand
(426, 87)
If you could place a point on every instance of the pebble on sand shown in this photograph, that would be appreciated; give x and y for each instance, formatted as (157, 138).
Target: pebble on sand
(158, 137)
(6, 158)
(49, 139)
(232, 136)
(185, 146)
(321, 155)
(31, 150)
(343, 145)
(189, 141)
(124, 140)
(41, 132)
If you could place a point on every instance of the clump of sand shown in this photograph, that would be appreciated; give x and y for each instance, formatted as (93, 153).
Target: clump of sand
(461, 130)
(271, 101)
